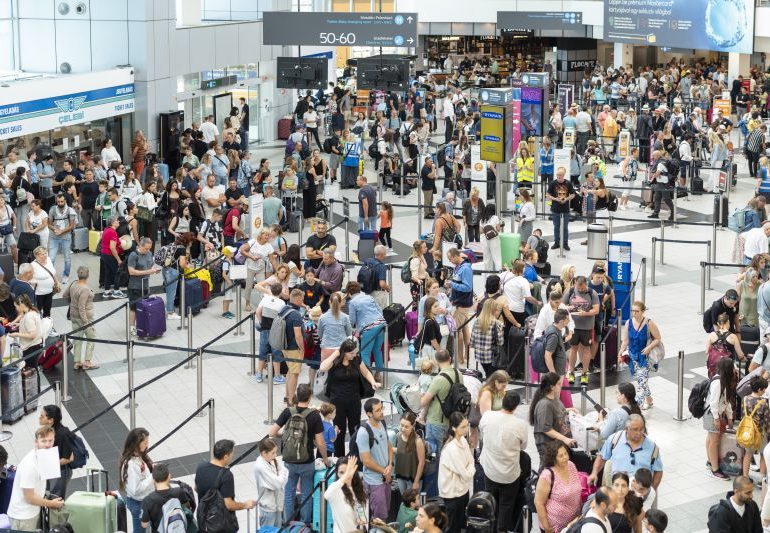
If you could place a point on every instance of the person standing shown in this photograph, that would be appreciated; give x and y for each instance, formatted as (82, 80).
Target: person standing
(738, 512)
(28, 493)
(461, 297)
(367, 205)
(376, 453)
(61, 222)
(141, 265)
(135, 470)
(504, 436)
(139, 148)
(560, 193)
(152, 505)
(455, 473)
(81, 312)
(641, 336)
(50, 415)
(428, 186)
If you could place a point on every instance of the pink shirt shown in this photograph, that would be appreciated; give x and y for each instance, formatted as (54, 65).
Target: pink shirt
(564, 503)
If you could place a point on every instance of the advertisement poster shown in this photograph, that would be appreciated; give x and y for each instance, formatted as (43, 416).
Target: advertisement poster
(516, 129)
(569, 137)
(566, 97)
(723, 104)
(719, 25)
(492, 133)
(624, 144)
(478, 166)
(619, 271)
(531, 112)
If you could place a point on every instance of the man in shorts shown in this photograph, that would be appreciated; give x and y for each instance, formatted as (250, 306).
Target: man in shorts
(583, 304)
(335, 158)
(294, 342)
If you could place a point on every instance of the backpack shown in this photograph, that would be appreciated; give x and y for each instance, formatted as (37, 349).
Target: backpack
(717, 351)
(531, 487)
(276, 337)
(213, 516)
(672, 168)
(308, 339)
(295, 436)
(441, 158)
(748, 435)
(327, 146)
(79, 451)
(164, 257)
(577, 526)
(367, 277)
(123, 228)
(737, 220)
(373, 150)
(458, 399)
(612, 202)
(696, 402)
(405, 137)
(353, 444)
(406, 271)
(373, 130)
(537, 354)
(174, 519)
(542, 250)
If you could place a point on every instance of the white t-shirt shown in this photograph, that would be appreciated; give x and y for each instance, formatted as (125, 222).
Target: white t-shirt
(596, 528)
(27, 477)
(515, 290)
(210, 193)
(35, 221)
(345, 517)
(505, 435)
(210, 131)
(10, 168)
(263, 250)
(42, 279)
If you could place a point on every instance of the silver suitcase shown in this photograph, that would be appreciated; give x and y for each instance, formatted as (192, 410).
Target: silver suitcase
(80, 239)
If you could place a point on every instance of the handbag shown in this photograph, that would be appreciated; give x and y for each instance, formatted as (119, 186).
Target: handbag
(365, 388)
(145, 214)
(489, 232)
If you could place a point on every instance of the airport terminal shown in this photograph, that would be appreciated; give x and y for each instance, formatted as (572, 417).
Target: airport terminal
(314, 266)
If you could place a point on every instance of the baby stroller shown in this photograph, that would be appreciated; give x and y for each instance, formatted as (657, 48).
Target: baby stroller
(405, 398)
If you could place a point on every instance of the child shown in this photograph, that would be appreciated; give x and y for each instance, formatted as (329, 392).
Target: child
(103, 204)
(657, 521)
(271, 476)
(438, 267)
(407, 512)
(314, 294)
(628, 169)
(641, 484)
(312, 346)
(423, 382)
(386, 222)
(328, 411)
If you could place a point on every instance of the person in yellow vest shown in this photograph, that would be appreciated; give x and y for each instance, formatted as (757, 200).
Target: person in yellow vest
(525, 167)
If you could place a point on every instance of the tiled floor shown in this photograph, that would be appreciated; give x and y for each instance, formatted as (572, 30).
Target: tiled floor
(241, 403)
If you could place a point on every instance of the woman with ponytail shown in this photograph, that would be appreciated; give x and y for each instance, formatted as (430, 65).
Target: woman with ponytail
(333, 327)
(614, 421)
(548, 415)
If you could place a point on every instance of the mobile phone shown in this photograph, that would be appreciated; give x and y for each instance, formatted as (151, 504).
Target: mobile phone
(600, 409)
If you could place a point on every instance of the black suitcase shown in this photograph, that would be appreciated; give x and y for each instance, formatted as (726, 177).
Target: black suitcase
(582, 461)
(543, 269)
(721, 210)
(28, 241)
(696, 185)
(512, 355)
(9, 269)
(481, 512)
(749, 340)
(394, 316)
(11, 394)
(30, 384)
(24, 256)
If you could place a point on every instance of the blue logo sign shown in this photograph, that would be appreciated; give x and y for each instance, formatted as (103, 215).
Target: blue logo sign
(70, 105)
(492, 115)
(398, 40)
(484, 96)
(399, 20)
(492, 138)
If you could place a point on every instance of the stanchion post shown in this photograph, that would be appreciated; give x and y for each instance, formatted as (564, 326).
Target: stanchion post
(603, 374)
(253, 345)
(419, 216)
(609, 227)
(131, 392)
(390, 284)
(583, 391)
(128, 330)
(191, 362)
(385, 355)
(702, 288)
(270, 385)
(238, 309)
(199, 381)
(708, 267)
(714, 243)
(301, 227)
(561, 236)
(457, 351)
(212, 428)
(57, 393)
(526, 370)
(183, 319)
(662, 242)
(619, 336)
(654, 253)
(65, 397)
(322, 509)
(526, 519)
(680, 389)
(644, 280)
(347, 240)
(673, 215)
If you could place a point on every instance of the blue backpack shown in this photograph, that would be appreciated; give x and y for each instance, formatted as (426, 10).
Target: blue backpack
(79, 451)
(537, 354)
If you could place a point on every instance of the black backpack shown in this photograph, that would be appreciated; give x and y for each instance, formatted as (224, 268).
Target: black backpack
(441, 156)
(577, 526)
(405, 137)
(373, 150)
(123, 228)
(530, 488)
(696, 402)
(542, 250)
(373, 131)
(353, 445)
(367, 277)
(213, 516)
(327, 146)
(672, 168)
(458, 399)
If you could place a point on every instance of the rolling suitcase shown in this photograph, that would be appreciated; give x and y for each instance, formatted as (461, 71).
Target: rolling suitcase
(317, 478)
(394, 317)
(94, 239)
(30, 381)
(749, 340)
(11, 394)
(481, 512)
(284, 128)
(366, 242)
(721, 207)
(294, 221)
(150, 317)
(7, 266)
(512, 356)
(52, 356)
(193, 295)
(92, 512)
(696, 185)
(610, 339)
(6, 487)
(80, 239)
(411, 324)
(28, 241)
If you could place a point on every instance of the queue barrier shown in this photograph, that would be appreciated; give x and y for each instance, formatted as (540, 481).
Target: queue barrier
(705, 266)
(655, 240)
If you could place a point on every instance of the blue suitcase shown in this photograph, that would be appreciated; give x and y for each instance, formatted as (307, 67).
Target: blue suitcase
(6, 487)
(150, 317)
(317, 478)
(193, 295)
(367, 239)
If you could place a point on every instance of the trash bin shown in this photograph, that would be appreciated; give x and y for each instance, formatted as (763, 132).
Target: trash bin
(597, 241)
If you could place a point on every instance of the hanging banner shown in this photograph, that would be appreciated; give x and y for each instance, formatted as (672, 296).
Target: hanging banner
(561, 158)
(619, 271)
(566, 97)
(493, 133)
(256, 203)
(516, 125)
(723, 104)
(624, 143)
(478, 166)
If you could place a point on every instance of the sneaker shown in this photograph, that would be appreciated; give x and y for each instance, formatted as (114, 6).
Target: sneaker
(118, 294)
(654, 215)
(584, 379)
(571, 378)
(173, 316)
(258, 377)
(584, 243)
(279, 380)
(555, 246)
(228, 314)
(107, 294)
(65, 280)
(719, 475)
(566, 248)
(708, 465)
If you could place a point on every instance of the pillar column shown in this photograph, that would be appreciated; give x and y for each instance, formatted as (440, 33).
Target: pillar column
(188, 12)
(623, 55)
(737, 64)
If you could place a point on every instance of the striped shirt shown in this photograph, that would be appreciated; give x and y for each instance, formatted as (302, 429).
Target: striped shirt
(754, 140)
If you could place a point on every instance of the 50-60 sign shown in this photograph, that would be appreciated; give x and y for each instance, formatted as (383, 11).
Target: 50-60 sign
(338, 38)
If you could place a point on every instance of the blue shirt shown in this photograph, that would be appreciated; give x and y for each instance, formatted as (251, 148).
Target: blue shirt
(329, 436)
(333, 331)
(364, 311)
(546, 161)
(219, 166)
(462, 285)
(622, 453)
(293, 320)
(764, 185)
(379, 451)
(530, 274)
(569, 122)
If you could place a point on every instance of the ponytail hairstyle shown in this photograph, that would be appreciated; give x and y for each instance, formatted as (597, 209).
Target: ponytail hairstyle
(434, 512)
(547, 382)
(335, 304)
(454, 422)
(629, 392)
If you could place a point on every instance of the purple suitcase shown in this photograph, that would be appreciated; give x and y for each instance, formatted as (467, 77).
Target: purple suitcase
(150, 317)
(411, 324)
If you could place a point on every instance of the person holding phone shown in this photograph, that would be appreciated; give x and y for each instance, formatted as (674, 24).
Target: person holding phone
(615, 420)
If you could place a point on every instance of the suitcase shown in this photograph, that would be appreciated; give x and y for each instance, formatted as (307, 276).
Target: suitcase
(11, 394)
(512, 355)
(367, 239)
(30, 384)
(193, 295)
(206, 294)
(151, 317)
(543, 269)
(647, 196)
(317, 478)
(696, 185)
(481, 511)
(721, 206)
(394, 316)
(51, 357)
(291, 527)
(749, 340)
(411, 324)
(9, 269)
(581, 429)
(284, 128)
(294, 221)
(610, 337)
(94, 239)
(92, 512)
(730, 454)
(28, 241)
(80, 239)
(6, 487)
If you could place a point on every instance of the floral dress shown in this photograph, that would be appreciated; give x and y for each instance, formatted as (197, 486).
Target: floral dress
(638, 363)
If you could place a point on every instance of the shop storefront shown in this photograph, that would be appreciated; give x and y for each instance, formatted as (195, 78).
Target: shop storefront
(68, 115)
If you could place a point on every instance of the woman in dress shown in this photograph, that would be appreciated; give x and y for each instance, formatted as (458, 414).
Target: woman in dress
(557, 496)
(29, 333)
(640, 337)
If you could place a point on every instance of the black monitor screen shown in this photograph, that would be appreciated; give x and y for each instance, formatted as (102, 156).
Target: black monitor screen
(302, 73)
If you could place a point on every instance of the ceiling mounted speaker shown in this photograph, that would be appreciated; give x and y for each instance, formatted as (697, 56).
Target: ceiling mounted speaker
(81, 8)
(65, 68)
(63, 8)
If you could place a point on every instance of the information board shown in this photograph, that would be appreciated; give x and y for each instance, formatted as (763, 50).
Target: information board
(492, 133)
(539, 20)
(619, 271)
(339, 29)
(721, 25)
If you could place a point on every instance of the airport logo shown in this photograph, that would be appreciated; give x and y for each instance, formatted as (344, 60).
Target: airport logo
(70, 105)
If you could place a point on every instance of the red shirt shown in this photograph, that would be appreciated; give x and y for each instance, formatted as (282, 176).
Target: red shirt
(229, 230)
(109, 236)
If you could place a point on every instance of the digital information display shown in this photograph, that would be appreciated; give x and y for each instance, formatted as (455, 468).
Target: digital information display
(540, 20)
(720, 25)
(339, 29)
(492, 133)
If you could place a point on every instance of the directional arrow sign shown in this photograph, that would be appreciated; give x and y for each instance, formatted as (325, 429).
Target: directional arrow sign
(339, 29)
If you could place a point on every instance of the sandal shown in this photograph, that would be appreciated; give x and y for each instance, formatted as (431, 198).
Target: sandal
(90, 366)
(78, 366)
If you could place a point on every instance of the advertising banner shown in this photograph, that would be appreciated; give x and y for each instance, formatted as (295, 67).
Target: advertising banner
(561, 158)
(516, 125)
(478, 168)
(619, 271)
(723, 104)
(566, 97)
(624, 144)
(339, 29)
(492, 133)
(720, 25)
(540, 20)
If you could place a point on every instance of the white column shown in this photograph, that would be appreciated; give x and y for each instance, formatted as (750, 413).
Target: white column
(623, 55)
(188, 12)
(737, 64)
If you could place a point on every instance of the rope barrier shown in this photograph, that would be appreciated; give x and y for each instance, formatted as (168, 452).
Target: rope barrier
(195, 413)
(737, 265)
(679, 241)
(102, 412)
(103, 317)
(248, 317)
(164, 373)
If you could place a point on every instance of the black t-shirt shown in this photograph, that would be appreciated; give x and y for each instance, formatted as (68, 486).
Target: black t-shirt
(560, 190)
(88, 193)
(719, 307)
(344, 382)
(315, 426)
(370, 193)
(233, 194)
(316, 243)
(427, 183)
(430, 332)
(313, 293)
(206, 475)
(62, 440)
(152, 505)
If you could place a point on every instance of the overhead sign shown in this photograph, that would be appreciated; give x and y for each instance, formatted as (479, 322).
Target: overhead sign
(721, 25)
(492, 133)
(577, 65)
(339, 29)
(45, 104)
(496, 96)
(540, 20)
(219, 82)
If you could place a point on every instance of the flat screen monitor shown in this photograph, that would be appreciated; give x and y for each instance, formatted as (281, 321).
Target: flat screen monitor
(302, 73)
